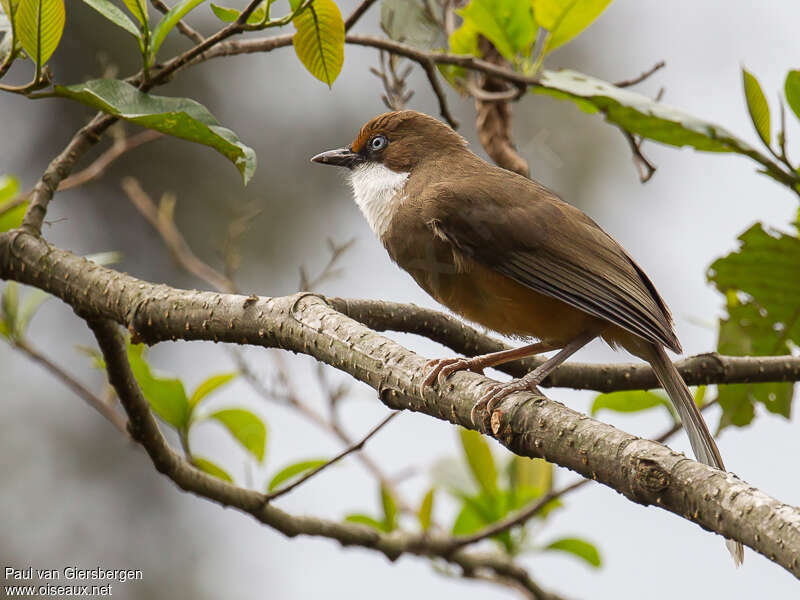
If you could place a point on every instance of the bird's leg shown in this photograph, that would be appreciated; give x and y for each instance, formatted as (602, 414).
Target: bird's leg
(442, 368)
(497, 392)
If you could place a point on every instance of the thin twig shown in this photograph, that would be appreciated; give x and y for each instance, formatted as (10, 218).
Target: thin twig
(349, 450)
(162, 219)
(629, 82)
(357, 13)
(645, 168)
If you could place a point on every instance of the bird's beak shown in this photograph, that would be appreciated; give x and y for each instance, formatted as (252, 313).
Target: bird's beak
(341, 157)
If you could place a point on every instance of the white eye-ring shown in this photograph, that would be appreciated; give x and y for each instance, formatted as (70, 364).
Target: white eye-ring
(378, 143)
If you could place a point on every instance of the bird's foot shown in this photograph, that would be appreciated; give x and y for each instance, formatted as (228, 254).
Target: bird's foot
(498, 392)
(441, 368)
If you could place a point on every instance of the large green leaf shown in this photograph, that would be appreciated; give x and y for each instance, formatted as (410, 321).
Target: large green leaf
(577, 547)
(39, 25)
(166, 395)
(179, 117)
(639, 114)
(565, 19)
(211, 468)
(175, 14)
(248, 429)
(410, 22)
(508, 24)
(757, 106)
(792, 90)
(293, 471)
(114, 14)
(480, 460)
(762, 289)
(319, 41)
(139, 10)
(209, 385)
(630, 401)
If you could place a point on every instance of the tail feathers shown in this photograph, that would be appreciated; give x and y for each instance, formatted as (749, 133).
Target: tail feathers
(703, 445)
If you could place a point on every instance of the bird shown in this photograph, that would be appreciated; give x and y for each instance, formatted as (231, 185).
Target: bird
(503, 251)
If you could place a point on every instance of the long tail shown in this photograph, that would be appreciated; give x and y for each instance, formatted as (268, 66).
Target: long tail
(703, 445)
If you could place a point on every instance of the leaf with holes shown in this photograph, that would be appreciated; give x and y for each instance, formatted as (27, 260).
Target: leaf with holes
(248, 429)
(179, 117)
(165, 25)
(566, 19)
(114, 14)
(757, 106)
(39, 25)
(319, 41)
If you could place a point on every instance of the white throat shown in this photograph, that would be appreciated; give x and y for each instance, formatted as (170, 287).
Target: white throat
(377, 190)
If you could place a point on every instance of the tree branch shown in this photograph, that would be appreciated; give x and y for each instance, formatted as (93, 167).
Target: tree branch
(644, 471)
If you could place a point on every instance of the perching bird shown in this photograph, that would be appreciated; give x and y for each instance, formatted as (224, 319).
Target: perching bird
(505, 252)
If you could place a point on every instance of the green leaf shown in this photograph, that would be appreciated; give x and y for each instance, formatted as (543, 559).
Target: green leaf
(508, 24)
(577, 547)
(114, 14)
(468, 521)
(389, 509)
(639, 114)
(566, 19)
(165, 25)
(179, 117)
(33, 300)
(365, 520)
(5, 330)
(211, 468)
(480, 460)
(761, 286)
(166, 395)
(410, 22)
(229, 15)
(10, 219)
(9, 8)
(39, 25)
(757, 106)
(293, 471)
(248, 429)
(319, 41)
(10, 305)
(209, 385)
(630, 401)
(463, 40)
(139, 10)
(425, 512)
(792, 90)
(536, 473)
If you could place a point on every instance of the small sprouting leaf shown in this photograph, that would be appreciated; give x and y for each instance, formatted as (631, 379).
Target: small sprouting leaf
(577, 547)
(425, 512)
(9, 304)
(229, 15)
(480, 460)
(211, 468)
(566, 19)
(139, 10)
(468, 521)
(410, 22)
(246, 427)
(365, 520)
(389, 509)
(175, 14)
(210, 385)
(180, 117)
(39, 25)
(114, 14)
(508, 24)
(165, 395)
(630, 401)
(792, 90)
(536, 473)
(319, 41)
(757, 106)
(33, 300)
(294, 471)
(5, 330)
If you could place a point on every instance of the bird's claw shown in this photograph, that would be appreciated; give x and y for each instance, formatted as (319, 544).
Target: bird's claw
(498, 392)
(440, 369)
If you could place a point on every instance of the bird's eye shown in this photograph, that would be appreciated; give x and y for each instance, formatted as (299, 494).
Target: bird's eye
(378, 143)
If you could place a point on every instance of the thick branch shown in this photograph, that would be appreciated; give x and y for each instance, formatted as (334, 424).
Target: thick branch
(643, 471)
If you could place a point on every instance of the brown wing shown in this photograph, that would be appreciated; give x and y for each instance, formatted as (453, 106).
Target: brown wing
(528, 234)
